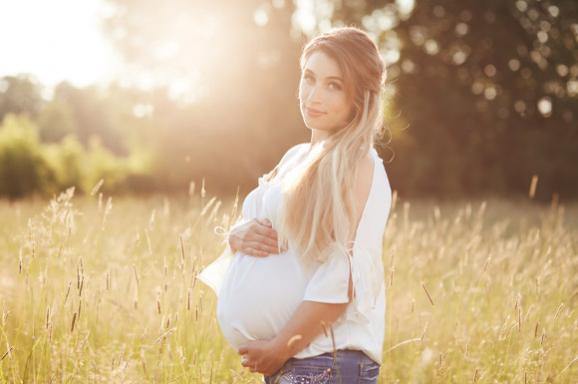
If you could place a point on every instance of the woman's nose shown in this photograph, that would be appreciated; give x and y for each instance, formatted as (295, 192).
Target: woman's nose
(314, 95)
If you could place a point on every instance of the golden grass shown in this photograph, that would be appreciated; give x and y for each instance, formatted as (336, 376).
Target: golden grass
(102, 290)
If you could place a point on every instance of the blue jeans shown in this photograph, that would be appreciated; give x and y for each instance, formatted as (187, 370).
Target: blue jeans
(346, 367)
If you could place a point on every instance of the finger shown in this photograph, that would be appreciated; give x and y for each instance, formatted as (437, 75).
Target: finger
(265, 221)
(273, 234)
(258, 235)
(253, 248)
(264, 240)
(279, 249)
(265, 231)
(260, 247)
(268, 246)
(245, 361)
(257, 230)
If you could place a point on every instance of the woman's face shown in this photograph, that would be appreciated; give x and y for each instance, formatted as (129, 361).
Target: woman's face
(322, 96)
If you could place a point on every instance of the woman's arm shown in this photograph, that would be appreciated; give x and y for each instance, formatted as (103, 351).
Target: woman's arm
(306, 324)
(268, 356)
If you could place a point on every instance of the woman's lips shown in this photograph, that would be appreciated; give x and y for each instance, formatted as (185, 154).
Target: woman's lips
(313, 113)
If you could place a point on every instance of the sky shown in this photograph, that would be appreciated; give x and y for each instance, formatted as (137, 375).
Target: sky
(55, 40)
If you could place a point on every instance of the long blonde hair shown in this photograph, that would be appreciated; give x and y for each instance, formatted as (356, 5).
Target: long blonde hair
(317, 209)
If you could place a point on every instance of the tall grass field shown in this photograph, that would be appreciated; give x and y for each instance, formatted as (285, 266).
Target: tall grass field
(100, 289)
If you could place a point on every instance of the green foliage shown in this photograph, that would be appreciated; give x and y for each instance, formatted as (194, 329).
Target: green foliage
(67, 157)
(28, 166)
(100, 163)
(482, 96)
(23, 167)
(19, 94)
(55, 121)
(484, 93)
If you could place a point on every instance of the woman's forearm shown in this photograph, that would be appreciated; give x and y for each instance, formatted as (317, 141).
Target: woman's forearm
(306, 322)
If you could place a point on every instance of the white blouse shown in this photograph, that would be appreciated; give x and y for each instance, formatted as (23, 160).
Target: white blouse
(256, 296)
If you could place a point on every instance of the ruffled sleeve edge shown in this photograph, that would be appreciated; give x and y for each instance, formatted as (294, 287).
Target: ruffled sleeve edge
(366, 290)
(331, 283)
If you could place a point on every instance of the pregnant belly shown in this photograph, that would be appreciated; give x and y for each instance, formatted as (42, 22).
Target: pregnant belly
(258, 296)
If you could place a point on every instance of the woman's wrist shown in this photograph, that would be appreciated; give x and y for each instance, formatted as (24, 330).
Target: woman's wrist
(279, 347)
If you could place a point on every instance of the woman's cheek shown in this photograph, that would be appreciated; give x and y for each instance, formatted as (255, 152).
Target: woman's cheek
(304, 88)
(339, 106)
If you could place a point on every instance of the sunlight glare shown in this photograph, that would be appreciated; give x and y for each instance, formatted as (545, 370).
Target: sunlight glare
(60, 39)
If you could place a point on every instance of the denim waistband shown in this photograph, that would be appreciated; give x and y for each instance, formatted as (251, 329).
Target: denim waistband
(349, 364)
(339, 354)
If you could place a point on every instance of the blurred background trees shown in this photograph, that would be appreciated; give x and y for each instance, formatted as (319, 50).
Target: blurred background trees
(489, 92)
(481, 96)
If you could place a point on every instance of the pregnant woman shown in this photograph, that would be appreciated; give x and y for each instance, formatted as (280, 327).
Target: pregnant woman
(300, 286)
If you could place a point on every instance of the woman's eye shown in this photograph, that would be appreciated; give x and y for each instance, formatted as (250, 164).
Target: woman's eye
(335, 86)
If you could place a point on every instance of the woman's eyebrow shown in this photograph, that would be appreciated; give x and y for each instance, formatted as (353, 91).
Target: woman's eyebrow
(328, 77)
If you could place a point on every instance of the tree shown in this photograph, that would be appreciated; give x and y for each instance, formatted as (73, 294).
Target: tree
(488, 89)
(226, 75)
(19, 94)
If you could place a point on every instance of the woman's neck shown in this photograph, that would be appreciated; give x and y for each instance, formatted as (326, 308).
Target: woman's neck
(318, 135)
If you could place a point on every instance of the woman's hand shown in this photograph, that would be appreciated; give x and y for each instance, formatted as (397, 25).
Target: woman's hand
(263, 356)
(255, 238)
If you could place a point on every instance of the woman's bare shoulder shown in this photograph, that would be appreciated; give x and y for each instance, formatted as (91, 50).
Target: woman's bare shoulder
(362, 188)
(365, 170)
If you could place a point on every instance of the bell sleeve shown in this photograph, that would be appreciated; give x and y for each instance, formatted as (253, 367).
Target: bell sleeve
(363, 261)
(330, 281)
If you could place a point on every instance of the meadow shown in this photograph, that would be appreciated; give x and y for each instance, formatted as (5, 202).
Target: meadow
(100, 289)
